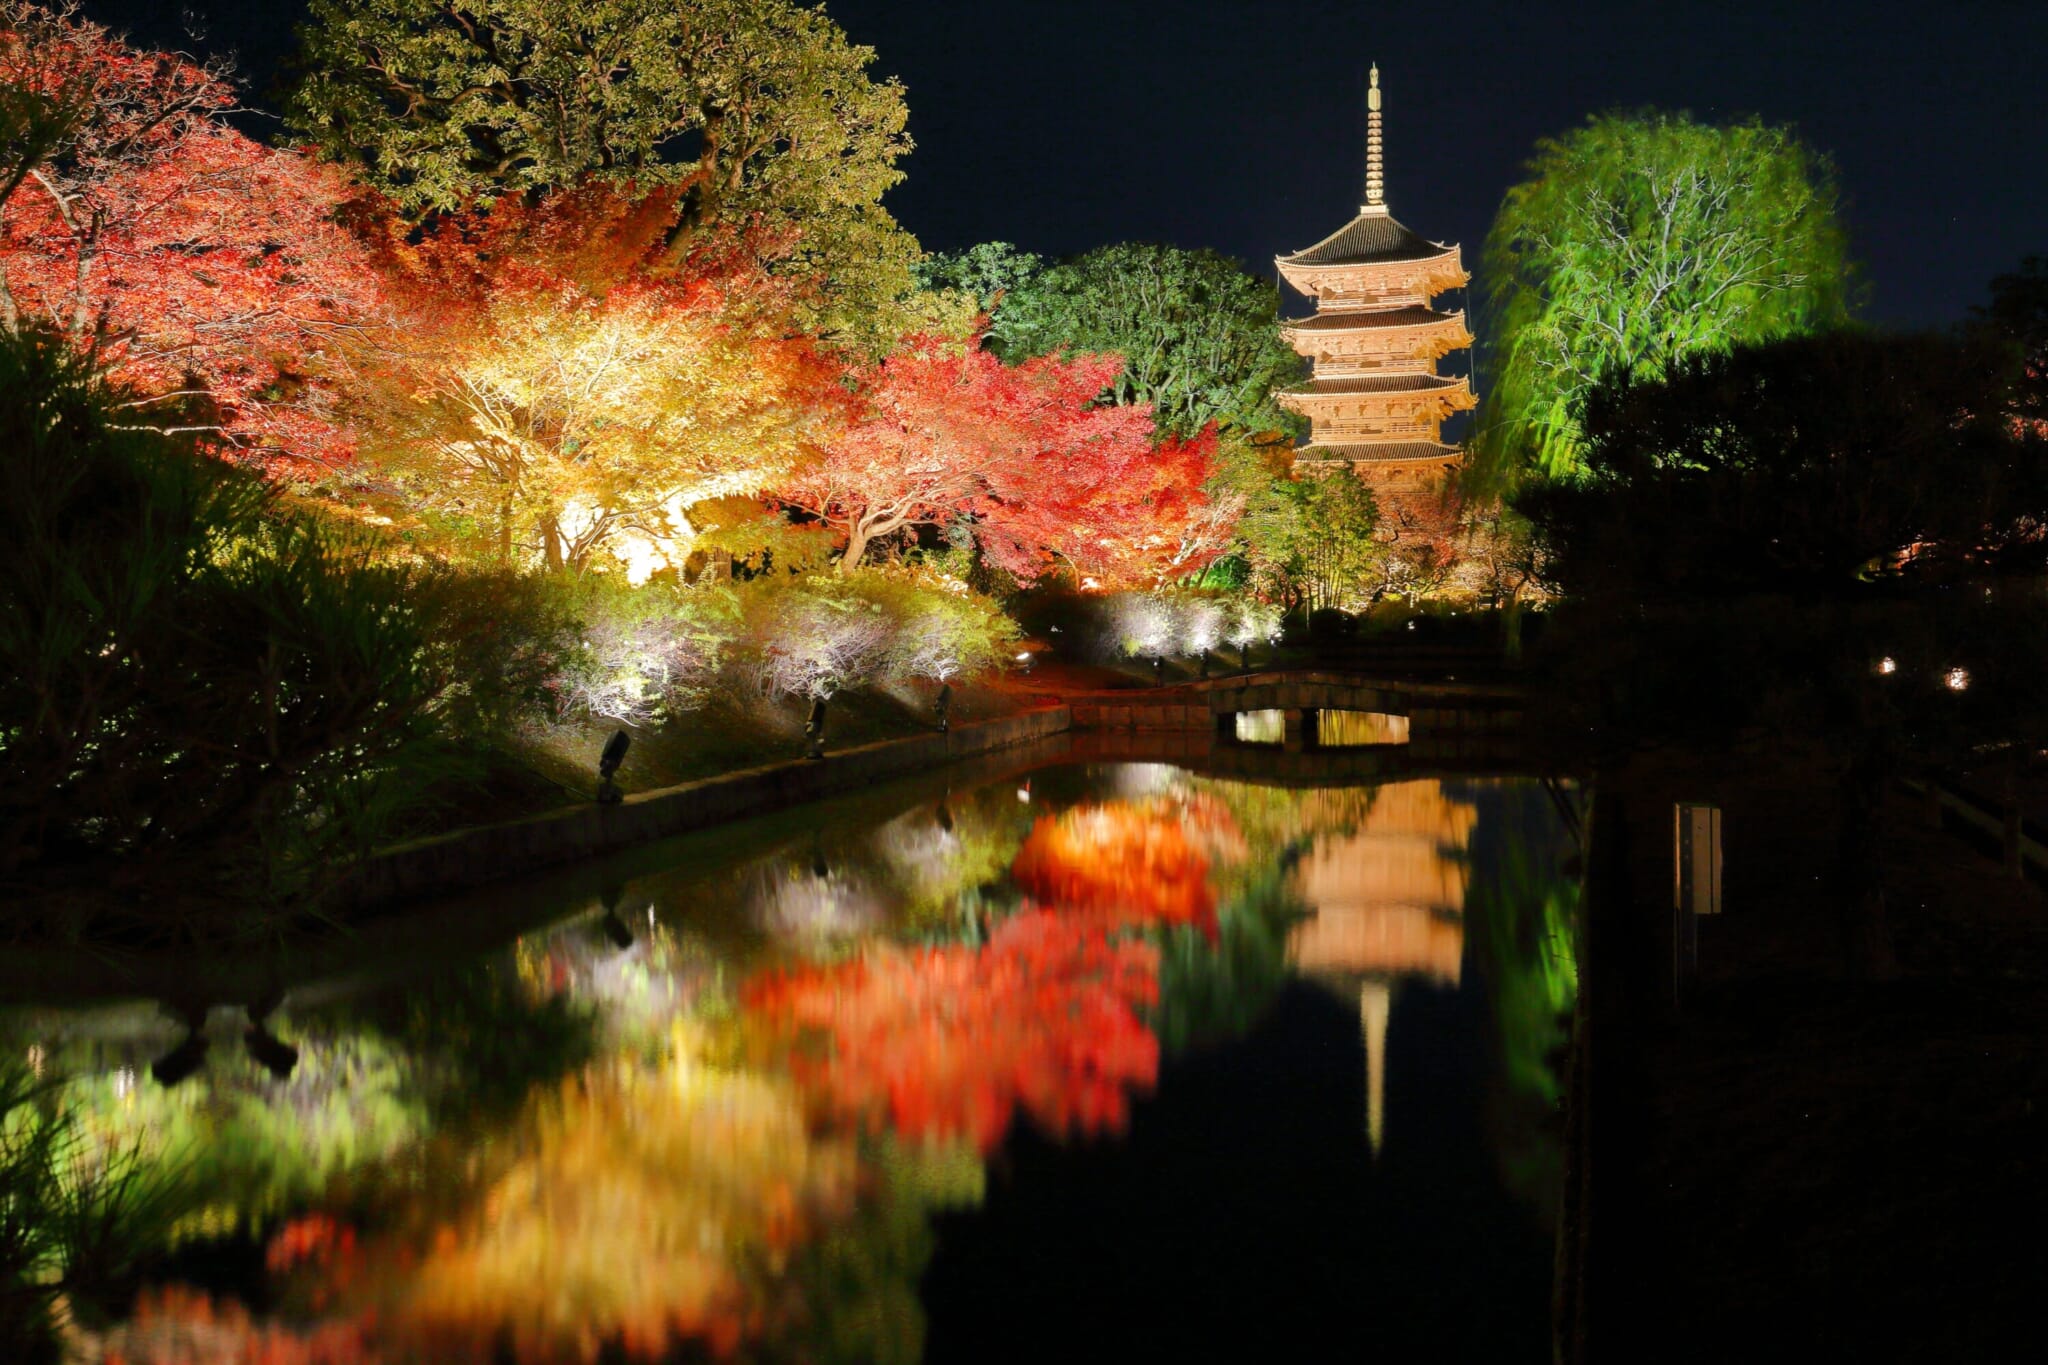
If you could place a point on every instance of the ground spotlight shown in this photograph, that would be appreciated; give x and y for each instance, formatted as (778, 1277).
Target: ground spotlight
(608, 793)
(181, 1061)
(272, 1053)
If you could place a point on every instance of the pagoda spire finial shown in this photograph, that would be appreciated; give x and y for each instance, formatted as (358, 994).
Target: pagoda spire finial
(1375, 179)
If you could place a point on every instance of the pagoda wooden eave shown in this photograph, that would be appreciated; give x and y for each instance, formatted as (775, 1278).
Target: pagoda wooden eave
(1453, 394)
(1373, 320)
(1374, 237)
(1379, 453)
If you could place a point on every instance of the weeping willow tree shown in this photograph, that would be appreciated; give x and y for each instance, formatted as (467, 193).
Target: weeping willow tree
(1638, 239)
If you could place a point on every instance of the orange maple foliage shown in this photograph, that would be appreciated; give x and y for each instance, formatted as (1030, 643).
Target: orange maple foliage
(1119, 865)
(559, 378)
(948, 1043)
(202, 270)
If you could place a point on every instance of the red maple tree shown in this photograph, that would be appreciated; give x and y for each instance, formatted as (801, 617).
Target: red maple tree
(943, 431)
(948, 1043)
(1121, 865)
(206, 273)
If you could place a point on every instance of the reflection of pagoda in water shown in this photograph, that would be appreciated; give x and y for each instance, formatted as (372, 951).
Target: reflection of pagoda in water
(1387, 905)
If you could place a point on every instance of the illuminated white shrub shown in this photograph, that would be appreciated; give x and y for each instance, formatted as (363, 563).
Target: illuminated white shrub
(645, 653)
(1202, 620)
(811, 636)
(816, 634)
(1247, 621)
(943, 630)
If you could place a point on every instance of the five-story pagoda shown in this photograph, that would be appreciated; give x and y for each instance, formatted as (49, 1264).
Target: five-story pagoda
(1376, 401)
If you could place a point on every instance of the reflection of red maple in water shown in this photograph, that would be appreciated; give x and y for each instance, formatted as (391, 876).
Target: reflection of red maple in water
(949, 1042)
(175, 1325)
(1127, 864)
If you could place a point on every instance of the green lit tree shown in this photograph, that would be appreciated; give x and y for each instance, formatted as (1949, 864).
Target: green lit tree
(1312, 543)
(1636, 240)
(756, 114)
(985, 274)
(1199, 336)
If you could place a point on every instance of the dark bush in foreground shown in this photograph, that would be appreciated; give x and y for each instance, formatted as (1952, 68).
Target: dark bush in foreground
(208, 702)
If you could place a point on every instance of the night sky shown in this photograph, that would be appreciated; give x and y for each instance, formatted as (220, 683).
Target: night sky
(1239, 124)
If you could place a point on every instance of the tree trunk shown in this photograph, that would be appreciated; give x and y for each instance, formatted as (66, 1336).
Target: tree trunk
(856, 548)
(551, 542)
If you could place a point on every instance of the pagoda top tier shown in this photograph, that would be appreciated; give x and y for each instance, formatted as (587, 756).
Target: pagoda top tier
(1373, 258)
(1374, 237)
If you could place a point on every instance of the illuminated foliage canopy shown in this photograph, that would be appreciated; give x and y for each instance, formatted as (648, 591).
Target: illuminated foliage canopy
(1312, 541)
(749, 111)
(201, 270)
(944, 432)
(1636, 240)
(552, 392)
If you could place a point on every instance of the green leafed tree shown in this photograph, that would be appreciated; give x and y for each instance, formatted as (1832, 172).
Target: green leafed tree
(1311, 542)
(1199, 336)
(758, 114)
(1636, 240)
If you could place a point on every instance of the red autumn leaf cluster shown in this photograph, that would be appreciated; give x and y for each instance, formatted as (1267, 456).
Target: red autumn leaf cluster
(1119, 865)
(943, 431)
(199, 268)
(949, 1043)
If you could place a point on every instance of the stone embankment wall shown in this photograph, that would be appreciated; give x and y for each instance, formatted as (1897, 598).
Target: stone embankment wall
(468, 858)
(1447, 720)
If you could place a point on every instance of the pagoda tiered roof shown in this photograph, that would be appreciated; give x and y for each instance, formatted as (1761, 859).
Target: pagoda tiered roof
(1374, 237)
(1378, 452)
(1378, 383)
(1364, 319)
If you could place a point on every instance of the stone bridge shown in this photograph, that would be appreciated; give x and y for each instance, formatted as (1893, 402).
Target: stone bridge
(1315, 710)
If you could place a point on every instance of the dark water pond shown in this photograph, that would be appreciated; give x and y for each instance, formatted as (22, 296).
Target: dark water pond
(1087, 1061)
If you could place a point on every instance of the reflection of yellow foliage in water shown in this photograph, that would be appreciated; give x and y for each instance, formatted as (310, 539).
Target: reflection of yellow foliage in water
(640, 1204)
